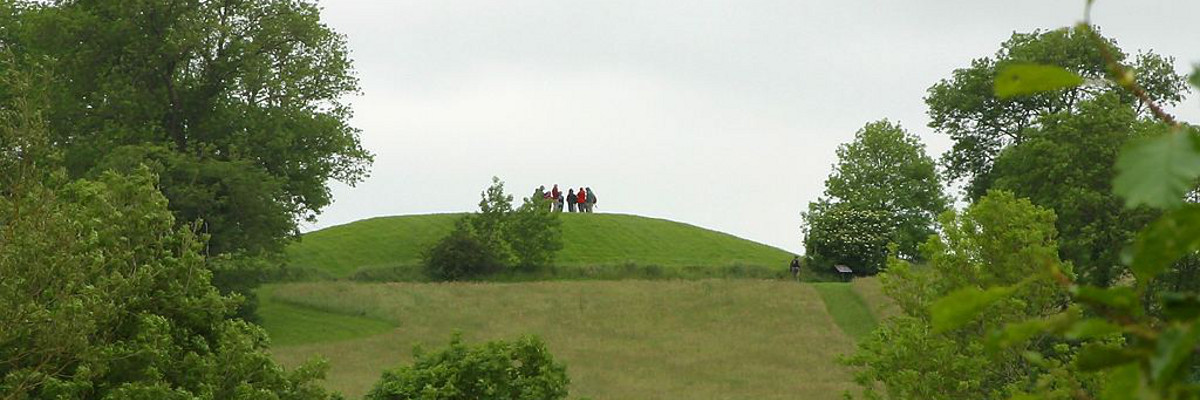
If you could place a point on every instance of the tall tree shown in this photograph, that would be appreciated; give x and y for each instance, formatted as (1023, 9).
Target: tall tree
(981, 124)
(101, 296)
(236, 105)
(886, 172)
(1066, 164)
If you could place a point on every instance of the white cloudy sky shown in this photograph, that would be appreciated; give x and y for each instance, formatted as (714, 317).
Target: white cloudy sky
(722, 114)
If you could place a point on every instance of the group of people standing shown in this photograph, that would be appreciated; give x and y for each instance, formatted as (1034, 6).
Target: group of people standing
(582, 201)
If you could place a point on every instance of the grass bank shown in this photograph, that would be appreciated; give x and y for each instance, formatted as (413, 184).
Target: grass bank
(619, 339)
(596, 246)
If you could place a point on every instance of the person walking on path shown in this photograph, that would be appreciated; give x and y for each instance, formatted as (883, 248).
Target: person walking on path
(795, 268)
(571, 200)
(591, 200)
(558, 206)
(581, 199)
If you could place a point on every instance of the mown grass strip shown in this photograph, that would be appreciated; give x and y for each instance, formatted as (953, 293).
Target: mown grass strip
(290, 324)
(847, 308)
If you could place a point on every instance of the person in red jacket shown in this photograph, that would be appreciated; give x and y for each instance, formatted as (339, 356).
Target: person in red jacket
(581, 198)
(555, 199)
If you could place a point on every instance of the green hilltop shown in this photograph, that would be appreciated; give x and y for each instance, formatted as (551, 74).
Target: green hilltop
(589, 240)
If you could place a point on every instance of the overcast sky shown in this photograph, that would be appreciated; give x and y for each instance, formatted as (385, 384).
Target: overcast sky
(721, 114)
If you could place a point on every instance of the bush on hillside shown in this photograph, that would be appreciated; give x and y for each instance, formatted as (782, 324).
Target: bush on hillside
(534, 235)
(497, 238)
(497, 370)
(461, 255)
(843, 234)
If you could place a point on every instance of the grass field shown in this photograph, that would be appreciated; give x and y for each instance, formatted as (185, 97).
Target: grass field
(589, 240)
(847, 308)
(706, 339)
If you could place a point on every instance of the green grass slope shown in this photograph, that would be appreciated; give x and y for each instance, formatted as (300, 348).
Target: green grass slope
(702, 339)
(589, 240)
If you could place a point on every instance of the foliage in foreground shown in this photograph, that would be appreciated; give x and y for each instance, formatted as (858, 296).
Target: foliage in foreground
(102, 295)
(1157, 358)
(497, 239)
(520, 370)
(998, 241)
(884, 189)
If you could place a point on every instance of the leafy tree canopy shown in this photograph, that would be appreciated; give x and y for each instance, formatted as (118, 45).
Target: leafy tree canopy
(883, 188)
(981, 124)
(103, 296)
(234, 104)
(999, 241)
(1066, 164)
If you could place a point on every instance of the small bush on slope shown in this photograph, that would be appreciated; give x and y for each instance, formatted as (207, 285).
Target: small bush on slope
(497, 238)
(498, 370)
(461, 255)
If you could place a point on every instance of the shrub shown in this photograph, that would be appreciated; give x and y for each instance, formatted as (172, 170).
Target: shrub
(498, 370)
(842, 234)
(497, 238)
(461, 255)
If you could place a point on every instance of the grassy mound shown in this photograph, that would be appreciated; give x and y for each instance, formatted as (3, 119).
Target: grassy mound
(654, 246)
(702, 339)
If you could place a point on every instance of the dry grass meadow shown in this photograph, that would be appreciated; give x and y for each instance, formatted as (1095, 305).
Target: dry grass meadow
(707, 339)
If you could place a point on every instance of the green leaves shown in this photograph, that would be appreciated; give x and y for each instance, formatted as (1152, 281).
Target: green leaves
(1166, 240)
(1120, 298)
(1096, 357)
(961, 306)
(1157, 172)
(1175, 345)
(1026, 79)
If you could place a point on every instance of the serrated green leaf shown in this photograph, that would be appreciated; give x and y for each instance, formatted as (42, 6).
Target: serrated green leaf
(1091, 328)
(1026, 79)
(1120, 298)
(1168, 238)
(1122, 383)
(1181, 306)
(1095, 358)
(1158, 171)
(1018, 333)
(961, 306)
(1175, 345)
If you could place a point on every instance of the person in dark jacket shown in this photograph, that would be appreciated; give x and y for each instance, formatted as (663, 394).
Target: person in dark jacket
(591, 200)
(571, 200)
(795, 267)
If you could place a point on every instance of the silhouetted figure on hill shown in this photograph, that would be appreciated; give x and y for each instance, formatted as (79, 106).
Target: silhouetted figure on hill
(571, 199)
(581, 200)
(795, 267)
(539, 193)
(591, 200)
